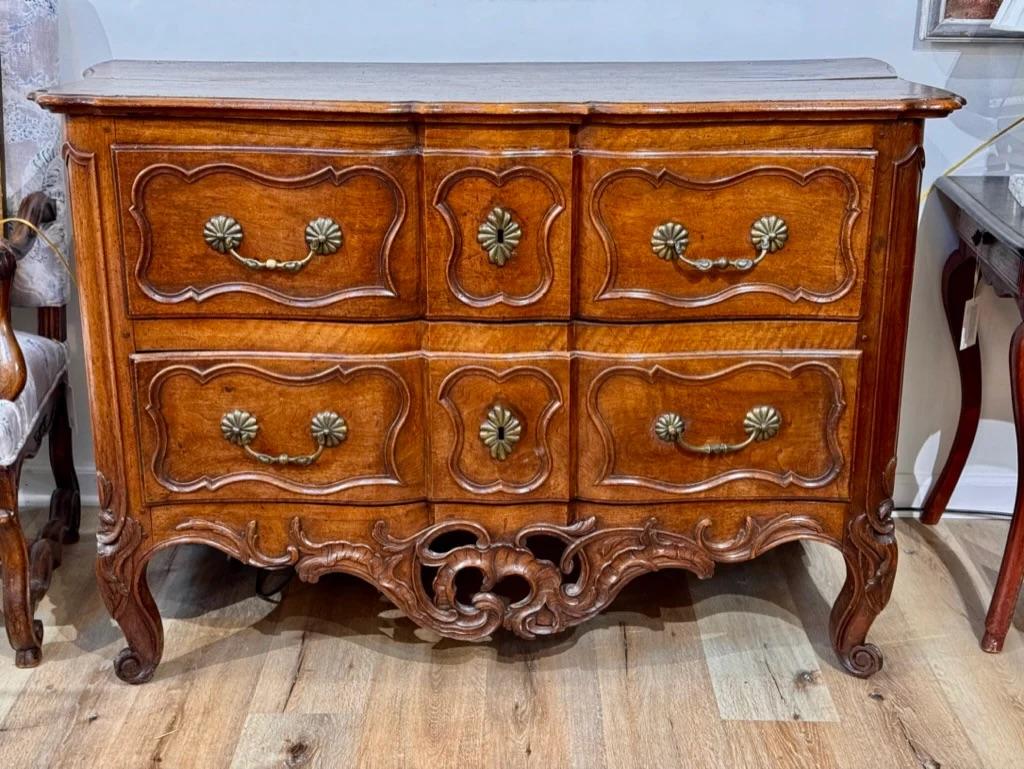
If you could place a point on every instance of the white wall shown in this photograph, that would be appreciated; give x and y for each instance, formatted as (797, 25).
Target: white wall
(495, 30)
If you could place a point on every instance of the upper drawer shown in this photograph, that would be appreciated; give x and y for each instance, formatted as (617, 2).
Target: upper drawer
(269, 232)
(498, 236)
(724, 234)
(280, 427)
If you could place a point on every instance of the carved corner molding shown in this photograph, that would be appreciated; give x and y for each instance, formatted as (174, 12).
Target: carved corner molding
(329, 175)
(418, 573)
(388, 474)
(611, 290)
(830, 427)
(542, 449)
(543, 239)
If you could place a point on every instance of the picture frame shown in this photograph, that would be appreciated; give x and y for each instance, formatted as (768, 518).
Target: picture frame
(963, 21)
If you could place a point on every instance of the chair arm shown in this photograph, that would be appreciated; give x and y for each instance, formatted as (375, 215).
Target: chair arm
(38, 209)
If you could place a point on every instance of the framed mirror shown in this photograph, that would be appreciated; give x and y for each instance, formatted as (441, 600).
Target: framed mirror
(963, 21)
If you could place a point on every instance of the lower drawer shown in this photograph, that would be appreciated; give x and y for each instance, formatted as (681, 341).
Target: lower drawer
(280, 426)
(499, 429)
(700, 425)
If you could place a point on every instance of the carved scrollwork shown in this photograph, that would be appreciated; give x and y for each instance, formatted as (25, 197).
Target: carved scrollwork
(419, 574)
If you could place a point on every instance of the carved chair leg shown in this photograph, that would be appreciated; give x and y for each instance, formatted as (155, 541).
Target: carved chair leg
(24, 633)
(870, 552)
(1011, 573)
(65, 501)
(121, 573)
(957, 289)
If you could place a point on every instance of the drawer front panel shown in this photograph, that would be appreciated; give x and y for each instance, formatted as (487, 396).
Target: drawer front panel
(724, 235)
(218, 426)
(281, 233)
(723, 425)
(499, 430)
(498, 236)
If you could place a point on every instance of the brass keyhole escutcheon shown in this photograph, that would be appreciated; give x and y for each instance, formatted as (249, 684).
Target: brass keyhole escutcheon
(500, 431)
(499, 236)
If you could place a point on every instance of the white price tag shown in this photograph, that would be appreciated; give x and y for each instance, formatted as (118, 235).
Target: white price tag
(969, 331)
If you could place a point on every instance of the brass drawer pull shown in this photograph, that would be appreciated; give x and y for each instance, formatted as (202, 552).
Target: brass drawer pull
(500, 432)
(224, 234)
(499, 236)
(760, 424)
(240, 427)
(768, 235)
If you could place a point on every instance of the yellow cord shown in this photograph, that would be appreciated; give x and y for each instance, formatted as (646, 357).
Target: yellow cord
(42, 237)
(984, 145)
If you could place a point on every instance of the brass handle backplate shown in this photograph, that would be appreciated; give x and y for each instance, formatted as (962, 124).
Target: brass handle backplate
(768, 235)
(224, 234)
(240, 428)
(500, 431)
(760, 424)
(499, 236)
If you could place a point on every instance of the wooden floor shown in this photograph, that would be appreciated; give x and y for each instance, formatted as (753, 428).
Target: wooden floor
(733, 672)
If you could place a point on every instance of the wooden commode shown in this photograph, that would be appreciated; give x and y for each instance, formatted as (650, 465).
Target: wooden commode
(496, 338)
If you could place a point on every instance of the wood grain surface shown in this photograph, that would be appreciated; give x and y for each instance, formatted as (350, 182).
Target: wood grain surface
(722, 88)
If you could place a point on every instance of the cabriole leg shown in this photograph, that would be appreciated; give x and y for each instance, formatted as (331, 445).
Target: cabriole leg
(65, 502)
(121, 573)
(25, 634)
(957, 289)
(1011, 572)
(870, 553)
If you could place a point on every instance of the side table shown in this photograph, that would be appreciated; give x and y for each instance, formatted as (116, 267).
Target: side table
(990, 224)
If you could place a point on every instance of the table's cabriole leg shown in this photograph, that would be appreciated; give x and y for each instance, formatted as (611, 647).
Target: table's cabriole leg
(1011, 573)
(957, 289)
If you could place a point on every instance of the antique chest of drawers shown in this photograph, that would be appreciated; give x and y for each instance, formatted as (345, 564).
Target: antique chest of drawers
(495, 338)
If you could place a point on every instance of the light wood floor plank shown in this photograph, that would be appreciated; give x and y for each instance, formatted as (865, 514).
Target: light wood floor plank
(307, 740)
(675, 674)
(881, 716)
(655, 690)
(952, 594)
(763, 668)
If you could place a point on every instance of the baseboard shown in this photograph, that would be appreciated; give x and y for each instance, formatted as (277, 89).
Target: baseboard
(977, 491)
(37, 485)
(983, 492)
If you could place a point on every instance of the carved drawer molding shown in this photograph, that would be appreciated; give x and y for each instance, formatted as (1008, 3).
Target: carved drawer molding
(808, 450)
(529, 278)
(472, 396)
(191, 452)
(817, 203)
(176, 269)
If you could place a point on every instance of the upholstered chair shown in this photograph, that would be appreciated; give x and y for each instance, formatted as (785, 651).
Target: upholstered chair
(33, 367)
